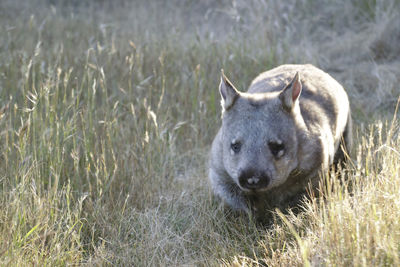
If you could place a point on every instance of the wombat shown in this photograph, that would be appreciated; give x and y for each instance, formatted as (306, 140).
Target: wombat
(293, 122)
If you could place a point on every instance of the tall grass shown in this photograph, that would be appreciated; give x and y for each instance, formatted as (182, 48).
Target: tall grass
(108, 109)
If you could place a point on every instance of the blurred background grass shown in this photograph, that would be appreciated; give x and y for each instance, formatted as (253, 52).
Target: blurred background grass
(108, 109)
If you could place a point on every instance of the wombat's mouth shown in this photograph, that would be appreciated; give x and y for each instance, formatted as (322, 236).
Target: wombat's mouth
(254, 183)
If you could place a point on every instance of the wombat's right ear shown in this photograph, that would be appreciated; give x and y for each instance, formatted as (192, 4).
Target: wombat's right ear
(291, 93)
(229, 94)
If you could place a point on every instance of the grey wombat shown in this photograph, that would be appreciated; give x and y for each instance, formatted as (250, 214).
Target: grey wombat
(293, 122)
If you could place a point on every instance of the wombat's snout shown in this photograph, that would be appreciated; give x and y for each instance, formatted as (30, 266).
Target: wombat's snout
(251, 179)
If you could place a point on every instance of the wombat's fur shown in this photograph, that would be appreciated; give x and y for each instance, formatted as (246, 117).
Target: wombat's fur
(293, 122)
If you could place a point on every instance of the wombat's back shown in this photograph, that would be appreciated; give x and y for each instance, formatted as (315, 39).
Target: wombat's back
(316, 83)
(323, 101)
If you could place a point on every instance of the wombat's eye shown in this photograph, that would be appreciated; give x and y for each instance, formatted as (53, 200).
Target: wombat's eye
(235, 146)
(277, 149)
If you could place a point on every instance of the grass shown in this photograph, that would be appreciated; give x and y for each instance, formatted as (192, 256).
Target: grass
(108, 110)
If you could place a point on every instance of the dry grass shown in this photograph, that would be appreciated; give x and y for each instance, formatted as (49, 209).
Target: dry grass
(108, 109)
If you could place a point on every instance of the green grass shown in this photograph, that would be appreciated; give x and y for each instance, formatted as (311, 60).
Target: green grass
(108, 110)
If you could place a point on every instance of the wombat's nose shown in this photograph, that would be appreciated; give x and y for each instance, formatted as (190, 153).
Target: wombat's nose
(251, 179)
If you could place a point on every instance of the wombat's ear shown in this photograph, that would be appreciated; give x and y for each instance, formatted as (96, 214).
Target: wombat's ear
(229, 94)
(291, 93)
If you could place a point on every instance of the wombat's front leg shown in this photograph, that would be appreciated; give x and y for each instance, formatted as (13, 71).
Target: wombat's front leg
(229, 192)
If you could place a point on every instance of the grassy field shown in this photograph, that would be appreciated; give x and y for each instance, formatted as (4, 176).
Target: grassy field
(108, 110)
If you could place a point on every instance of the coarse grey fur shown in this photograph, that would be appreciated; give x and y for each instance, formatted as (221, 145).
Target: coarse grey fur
(293, 122)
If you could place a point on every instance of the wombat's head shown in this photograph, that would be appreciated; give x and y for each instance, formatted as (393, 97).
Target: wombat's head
(259, 137)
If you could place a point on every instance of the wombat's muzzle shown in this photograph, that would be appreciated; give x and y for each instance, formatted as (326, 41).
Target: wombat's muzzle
(253, 180)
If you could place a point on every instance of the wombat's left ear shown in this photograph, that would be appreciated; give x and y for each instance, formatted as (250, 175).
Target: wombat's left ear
(229, 94)
(291, 93)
